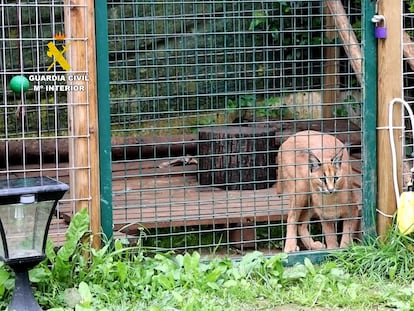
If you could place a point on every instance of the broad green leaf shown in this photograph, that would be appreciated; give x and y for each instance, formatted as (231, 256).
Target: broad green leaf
(392, 272)
(259, 19)
(214, 275)
(72, 297)
(191, 262)
(308, 264)
(39, 274)
(230, 283)
(4, 276)
(122, 270)
(298, 271)
(78, 226)
(85, 293)
(50, 250)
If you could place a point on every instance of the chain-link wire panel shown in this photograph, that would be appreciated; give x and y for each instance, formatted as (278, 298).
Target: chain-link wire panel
(35, 138)
(203, 94)
(408, 87)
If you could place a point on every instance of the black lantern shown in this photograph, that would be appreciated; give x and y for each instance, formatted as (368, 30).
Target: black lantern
(27, 206)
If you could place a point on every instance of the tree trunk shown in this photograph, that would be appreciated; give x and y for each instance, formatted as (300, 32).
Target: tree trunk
(237, 158)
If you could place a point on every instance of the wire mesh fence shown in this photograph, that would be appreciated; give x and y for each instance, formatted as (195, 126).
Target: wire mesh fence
(408, 87)
(204, 93)
(37, 128)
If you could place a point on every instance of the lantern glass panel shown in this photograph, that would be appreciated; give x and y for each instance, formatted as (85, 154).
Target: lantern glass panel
(25, 227)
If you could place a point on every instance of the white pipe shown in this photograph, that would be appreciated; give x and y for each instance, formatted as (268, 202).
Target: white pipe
(392, 142)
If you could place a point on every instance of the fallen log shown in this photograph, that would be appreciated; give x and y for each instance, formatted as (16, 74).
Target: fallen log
(51, 150)
(153, 146)
(33, 151)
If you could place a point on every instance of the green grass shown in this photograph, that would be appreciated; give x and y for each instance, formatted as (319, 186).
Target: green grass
(375, 276)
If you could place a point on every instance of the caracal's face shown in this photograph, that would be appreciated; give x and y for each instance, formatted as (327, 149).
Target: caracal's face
(327, 179)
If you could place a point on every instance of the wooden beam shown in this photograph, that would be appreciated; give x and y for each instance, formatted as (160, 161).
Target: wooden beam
(82, 111)
(95, 211)
(331, 77)
(389, 87)
(347, 35)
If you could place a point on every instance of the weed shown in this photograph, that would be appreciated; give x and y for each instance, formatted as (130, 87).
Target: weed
(251, 108)
(116, 277)
(411, 6)
(391, 257)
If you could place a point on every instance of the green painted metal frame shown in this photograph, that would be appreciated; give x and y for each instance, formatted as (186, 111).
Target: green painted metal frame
(104, 115)
(368, 131)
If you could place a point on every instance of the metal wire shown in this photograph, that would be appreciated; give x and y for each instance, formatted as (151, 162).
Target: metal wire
(227, 77)
(34, 132)
(408, 90)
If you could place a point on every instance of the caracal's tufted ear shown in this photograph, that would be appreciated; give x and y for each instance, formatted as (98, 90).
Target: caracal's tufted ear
(337, 158)
(314, 162)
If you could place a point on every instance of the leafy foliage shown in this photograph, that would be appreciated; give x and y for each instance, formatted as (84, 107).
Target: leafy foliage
(115, 277)
(250, 107)
(389, 258)
(410, 6)
(289, 26)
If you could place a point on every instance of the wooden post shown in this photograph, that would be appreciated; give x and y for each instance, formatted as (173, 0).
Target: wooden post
(82, 111)
(347, 36)
(330, 81)
(389, 87)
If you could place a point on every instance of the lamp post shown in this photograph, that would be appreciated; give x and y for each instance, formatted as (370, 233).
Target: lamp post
(26, 209)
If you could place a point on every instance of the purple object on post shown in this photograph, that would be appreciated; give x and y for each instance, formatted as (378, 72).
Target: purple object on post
(380, 32)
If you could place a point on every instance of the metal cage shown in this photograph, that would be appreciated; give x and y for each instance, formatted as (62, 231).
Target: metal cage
(203, 94)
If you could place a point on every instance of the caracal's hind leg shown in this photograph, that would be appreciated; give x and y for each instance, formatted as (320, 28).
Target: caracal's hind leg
(296, 203)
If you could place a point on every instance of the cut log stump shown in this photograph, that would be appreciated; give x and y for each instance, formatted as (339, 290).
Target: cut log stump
(237, 158)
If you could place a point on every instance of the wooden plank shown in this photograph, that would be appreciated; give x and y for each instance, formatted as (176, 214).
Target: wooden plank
(57, 231)
(389, 87)
(181, 215)
(95, 193)
(78, 113)
(83, 115)
(157, 198)
(331, 79)
(174, 201)
(178, 200)
(347, 34)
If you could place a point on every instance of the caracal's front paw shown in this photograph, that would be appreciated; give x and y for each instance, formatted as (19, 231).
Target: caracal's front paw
(291, 246)
(345, 242)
